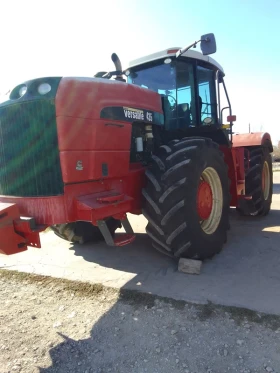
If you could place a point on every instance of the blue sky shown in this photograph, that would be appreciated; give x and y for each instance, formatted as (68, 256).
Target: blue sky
(60, 38)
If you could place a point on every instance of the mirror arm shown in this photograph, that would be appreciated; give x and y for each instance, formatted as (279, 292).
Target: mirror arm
(183, 50)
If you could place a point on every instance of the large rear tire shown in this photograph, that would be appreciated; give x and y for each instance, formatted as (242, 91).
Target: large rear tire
(258, 183)
(83, 231)
(186, 200)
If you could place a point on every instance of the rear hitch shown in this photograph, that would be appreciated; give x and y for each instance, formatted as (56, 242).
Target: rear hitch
(16, 232)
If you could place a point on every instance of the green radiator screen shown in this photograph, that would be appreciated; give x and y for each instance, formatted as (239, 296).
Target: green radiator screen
(29, 156)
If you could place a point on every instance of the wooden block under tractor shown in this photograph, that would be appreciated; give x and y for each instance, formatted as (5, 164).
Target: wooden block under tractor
(189, 266)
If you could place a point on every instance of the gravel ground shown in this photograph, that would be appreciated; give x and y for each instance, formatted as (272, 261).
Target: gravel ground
(51, 325)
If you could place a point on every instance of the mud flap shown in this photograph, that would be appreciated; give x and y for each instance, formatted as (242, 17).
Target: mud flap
(246, 205)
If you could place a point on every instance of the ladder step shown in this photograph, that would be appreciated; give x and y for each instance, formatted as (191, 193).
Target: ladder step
(110, 198)
(120, 239)
(123, 239)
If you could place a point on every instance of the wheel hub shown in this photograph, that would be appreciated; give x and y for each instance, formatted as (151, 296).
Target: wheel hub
(204, 200)
(265, 180)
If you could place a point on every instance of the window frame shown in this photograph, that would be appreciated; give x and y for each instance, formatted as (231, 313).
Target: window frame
(192, 63)
(208, 66)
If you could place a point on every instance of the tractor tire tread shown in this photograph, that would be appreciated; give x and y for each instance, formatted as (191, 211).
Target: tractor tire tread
(170, 181)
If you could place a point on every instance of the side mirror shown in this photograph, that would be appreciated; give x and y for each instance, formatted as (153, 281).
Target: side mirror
(208, 44)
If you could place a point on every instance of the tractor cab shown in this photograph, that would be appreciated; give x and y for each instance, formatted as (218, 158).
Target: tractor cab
(189, 83)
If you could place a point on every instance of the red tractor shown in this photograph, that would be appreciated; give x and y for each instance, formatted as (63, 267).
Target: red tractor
(78, 154)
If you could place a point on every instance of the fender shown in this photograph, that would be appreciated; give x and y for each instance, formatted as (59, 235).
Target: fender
(252, 139)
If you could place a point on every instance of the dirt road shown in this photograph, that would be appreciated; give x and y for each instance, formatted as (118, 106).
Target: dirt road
(49, 325)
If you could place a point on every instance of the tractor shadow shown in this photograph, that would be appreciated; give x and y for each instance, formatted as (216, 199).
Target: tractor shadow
(247, 236)
(137, 257)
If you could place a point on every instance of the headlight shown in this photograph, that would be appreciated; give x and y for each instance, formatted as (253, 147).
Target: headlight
(22, 90)
(18, 92)
(167, 61)
(44, 88)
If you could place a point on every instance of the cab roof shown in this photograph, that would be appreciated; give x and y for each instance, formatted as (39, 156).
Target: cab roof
(170, 52)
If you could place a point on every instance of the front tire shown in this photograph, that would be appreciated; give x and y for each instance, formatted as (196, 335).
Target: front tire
(83, 231)
(186, 200)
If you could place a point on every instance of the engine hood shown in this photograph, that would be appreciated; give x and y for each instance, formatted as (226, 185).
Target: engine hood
(88, 97)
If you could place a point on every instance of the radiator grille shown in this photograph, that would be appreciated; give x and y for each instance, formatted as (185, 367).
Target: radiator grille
(29, 156)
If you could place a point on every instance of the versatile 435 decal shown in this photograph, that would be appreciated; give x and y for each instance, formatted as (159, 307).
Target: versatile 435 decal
(128, 114)
(137, 114)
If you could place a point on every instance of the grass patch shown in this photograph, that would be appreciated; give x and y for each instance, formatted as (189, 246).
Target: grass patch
(239, 315)
(78, 288)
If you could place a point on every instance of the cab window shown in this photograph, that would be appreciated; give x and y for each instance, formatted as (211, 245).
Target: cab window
(186, 112)
(207, 96)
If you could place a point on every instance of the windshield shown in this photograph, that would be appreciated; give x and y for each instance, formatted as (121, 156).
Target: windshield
(175, 82)
(159, 78)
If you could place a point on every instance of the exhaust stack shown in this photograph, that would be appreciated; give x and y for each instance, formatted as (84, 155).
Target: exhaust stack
(118, 67)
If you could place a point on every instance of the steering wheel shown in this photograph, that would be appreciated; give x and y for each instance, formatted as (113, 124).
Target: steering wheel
(208, 121)
(173, 98)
